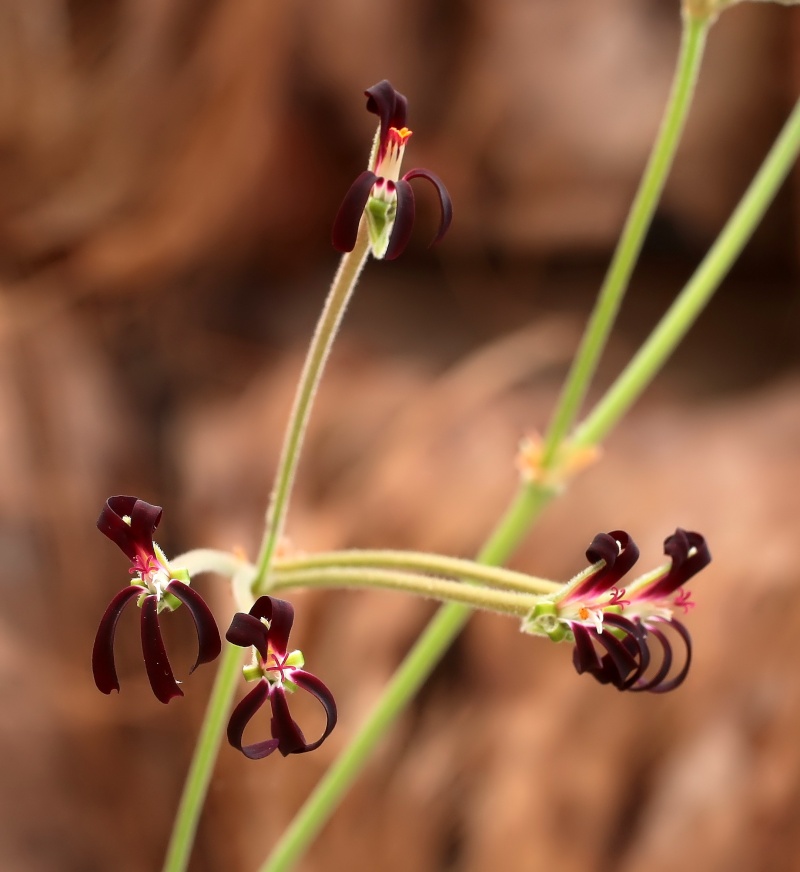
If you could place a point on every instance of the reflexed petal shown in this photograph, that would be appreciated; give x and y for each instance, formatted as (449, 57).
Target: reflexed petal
(208, 640)
(345, 225)
(676, 681)
(133, 537)
(103, 668)
(389, 105)
(318, 689)
(619, 661)
(445, 202)
(245, 630)
(634, 643)
(240, 718)
(280, 614)
(618, 560)
(683, 566)
(584, 656)
(403, 221)
(155, 655)
(285, 729)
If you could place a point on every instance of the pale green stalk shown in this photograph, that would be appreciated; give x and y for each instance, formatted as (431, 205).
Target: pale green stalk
(341, 291)
(693, 42)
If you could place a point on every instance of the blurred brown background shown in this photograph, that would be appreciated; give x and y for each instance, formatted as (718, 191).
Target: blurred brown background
(169, 172)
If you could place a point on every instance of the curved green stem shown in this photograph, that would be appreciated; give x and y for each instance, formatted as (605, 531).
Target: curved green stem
(630, 244)
(414, 561)
(341, 291)
(500, 601)
(699, 290)
(205, 755)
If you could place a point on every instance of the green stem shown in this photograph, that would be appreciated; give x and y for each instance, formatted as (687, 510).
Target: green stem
(205, 755)
(407, 680)
(500, 601)
(630, 244)
(341, 291)
(414, 561)
(699, 290)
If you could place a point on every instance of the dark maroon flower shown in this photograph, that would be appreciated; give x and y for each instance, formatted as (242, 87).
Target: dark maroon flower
(616, 628)
(380, 193)
(266, 628)
(130, 523)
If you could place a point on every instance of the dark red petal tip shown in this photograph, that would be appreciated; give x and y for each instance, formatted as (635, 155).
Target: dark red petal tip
(241, 717)
(208, 640)
(445, 202)
(155, 654)
(245, 630)
(138, 535)
(284, 727)
(280, 615)
(684, 566)
(389, 105)
(103, 667)
(345, 225)
(403, 222)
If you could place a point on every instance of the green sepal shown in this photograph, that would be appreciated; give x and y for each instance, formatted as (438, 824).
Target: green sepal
(380, 216)
(252, 672)
(543, 620)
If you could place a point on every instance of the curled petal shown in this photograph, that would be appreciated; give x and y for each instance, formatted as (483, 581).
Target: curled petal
(585, 656)
(389, 105)
(634, 642)
(209, 643)
(445, 202)
(619, 660)
(133, 537)
(684, 565)
(618, 551)
(345, 225)
(403, 222)
(317, 688)
(155, 654)
(659, 682)
(280, 615)
(245, 630)
(240, 718)
(103, 668)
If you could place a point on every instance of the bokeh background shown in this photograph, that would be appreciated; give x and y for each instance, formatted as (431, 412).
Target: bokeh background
(169, 172)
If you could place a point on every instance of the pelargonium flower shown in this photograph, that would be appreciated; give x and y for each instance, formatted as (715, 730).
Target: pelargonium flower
(130, 523)
(380, 193)
(613, 627)
(277, 672)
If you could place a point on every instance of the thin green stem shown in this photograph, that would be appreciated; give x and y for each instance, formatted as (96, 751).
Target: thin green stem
(205, 755)
(341, 291)
(407, 680)
(414, 561)
(501, 601)
(692, 300)
(630, 244)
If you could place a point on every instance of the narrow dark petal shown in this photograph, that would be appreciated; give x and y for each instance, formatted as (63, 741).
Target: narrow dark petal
(584, 656)
(208, 640)
(618, 560)
(318, 689)
(245, 630)
(103, 668)
(345, 225)
(240, 718)
(619, 661)
(677, 680)
(155, 654)
(663, 670)
(403, 221)
(136, 536)
(635, 642)
(280, 614)
(445, 202)
(285, 729)
(389, 105)
(677, 547)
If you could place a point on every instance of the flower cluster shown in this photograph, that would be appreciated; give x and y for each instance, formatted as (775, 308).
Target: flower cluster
(158, 588)
(380, 194)
(614, 627)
